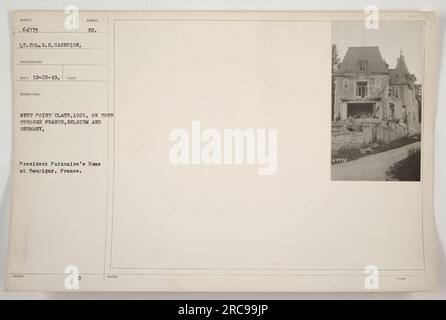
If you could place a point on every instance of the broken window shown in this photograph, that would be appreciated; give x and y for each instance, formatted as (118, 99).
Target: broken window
(361, 89)
(360, 110)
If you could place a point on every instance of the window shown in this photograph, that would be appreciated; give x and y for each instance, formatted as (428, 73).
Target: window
(389, 93)
(362, 66)
(345, 84)
(361, 89)
(397, 92)
(392, 111)
(405, 114)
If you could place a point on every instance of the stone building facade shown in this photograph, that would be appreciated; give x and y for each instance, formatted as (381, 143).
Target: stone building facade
(370, 97)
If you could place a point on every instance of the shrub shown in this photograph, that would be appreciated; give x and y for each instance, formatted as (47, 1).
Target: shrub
(407, 169)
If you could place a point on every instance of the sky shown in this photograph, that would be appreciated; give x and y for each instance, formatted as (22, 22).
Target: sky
(391, 37)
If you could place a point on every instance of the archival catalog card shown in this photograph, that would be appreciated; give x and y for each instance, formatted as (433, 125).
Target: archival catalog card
(222, 151)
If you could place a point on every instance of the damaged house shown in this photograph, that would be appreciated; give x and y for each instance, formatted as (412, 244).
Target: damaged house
(373, 103)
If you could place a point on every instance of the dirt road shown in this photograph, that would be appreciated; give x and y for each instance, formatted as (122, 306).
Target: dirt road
(370, 168)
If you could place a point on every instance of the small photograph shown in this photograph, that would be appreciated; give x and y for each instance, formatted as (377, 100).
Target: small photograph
(376, 111)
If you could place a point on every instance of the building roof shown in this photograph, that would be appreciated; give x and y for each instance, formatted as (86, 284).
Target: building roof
(401, 74)
(372, 55)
